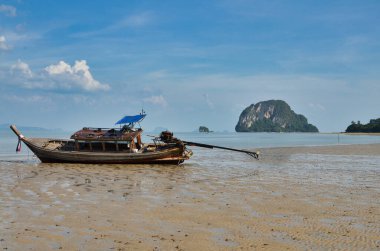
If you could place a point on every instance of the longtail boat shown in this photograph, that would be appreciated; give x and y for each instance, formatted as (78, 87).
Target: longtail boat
(114, 146)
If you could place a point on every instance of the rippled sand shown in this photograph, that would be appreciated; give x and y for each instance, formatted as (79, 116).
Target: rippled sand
(293, 198)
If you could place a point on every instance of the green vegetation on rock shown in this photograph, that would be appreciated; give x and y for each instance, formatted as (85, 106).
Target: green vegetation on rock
(272, 116)
(203, 129)
(372, 126)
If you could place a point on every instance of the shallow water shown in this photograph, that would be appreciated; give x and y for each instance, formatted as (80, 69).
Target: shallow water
(8, 140)
(297, 199)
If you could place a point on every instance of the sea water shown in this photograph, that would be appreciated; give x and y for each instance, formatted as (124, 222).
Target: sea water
(8, 140)
(264, 140)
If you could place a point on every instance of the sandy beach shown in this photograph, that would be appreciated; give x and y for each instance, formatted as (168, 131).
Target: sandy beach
(298, 198)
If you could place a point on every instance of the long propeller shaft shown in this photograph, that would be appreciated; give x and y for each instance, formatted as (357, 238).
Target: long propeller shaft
(252, 154)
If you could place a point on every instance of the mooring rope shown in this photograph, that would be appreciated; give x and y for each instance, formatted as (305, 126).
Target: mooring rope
(18, 147)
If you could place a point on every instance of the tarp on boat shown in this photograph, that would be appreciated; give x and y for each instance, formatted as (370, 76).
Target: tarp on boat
(131, 119)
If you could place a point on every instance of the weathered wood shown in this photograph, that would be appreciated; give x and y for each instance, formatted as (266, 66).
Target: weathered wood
(171, 154)
(252, 154)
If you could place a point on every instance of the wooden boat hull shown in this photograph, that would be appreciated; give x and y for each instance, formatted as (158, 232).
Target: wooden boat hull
(165, 155)
(168, 156)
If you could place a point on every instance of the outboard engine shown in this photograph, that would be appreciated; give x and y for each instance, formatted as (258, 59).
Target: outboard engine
(167, 137)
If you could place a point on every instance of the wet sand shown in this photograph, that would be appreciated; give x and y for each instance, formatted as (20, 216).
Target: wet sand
(300, 198)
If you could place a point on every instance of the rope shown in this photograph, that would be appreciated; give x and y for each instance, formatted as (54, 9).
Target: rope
(18, 147)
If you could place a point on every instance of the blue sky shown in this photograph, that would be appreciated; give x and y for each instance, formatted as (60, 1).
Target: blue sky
(68, 64)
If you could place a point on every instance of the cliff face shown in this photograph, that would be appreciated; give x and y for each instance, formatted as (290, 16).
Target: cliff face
(272, 116)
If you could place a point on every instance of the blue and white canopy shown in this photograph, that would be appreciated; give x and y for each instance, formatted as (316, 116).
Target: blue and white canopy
(131, 119)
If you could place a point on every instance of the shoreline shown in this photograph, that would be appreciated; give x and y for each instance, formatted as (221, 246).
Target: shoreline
(339, 149)
(362, 133)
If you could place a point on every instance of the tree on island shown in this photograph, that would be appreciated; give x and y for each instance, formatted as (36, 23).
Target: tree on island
(203, 129)
(372, 126)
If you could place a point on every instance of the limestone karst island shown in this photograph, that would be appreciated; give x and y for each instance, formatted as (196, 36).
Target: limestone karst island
(272, 116)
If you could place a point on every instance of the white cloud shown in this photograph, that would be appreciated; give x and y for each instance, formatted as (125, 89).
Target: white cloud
(59, 76)
(78, 75)
(21, 68)
(156, 100)
(3, 44)
(59, 68)
(20, 36)
(8, 10)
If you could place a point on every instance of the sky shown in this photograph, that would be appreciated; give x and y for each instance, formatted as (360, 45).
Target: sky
(69, 64)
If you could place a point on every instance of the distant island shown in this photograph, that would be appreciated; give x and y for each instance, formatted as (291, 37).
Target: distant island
(204, 129)
(372, 126)
(272, 116)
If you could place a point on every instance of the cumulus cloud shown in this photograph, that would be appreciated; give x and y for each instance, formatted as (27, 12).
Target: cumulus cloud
(60, 68)
(8, 10)
(3, 44)
(78, 75)
(60, 76)
(156, 100)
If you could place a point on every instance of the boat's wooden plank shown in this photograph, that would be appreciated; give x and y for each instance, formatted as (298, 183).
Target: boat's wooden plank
(68, 151)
